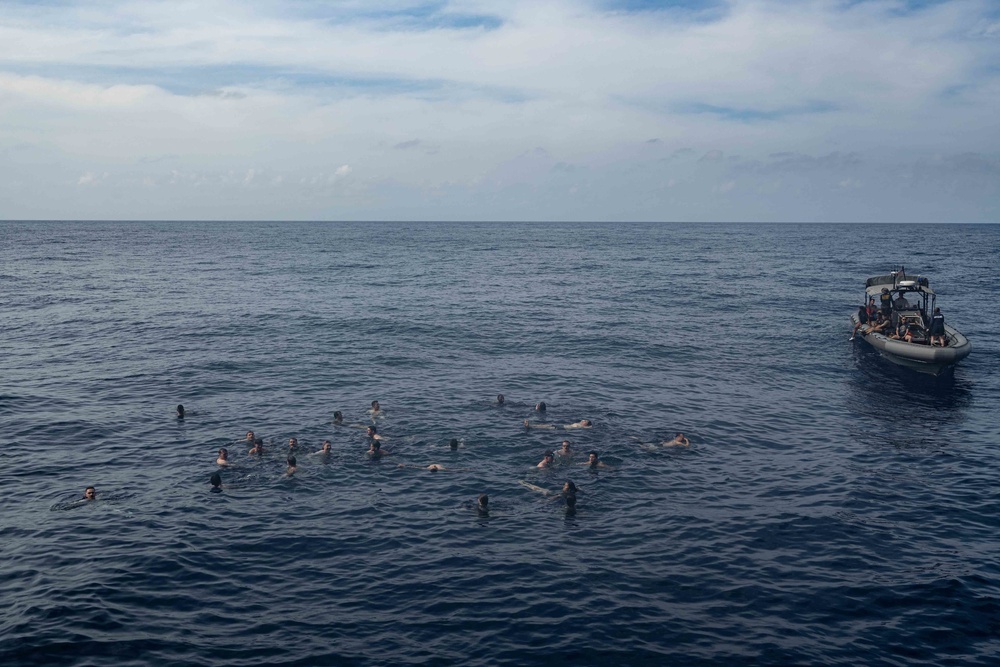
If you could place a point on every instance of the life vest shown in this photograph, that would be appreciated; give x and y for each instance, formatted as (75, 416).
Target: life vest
(885, 299)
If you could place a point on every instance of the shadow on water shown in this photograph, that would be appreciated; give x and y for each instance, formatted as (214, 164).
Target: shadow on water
(890, 398)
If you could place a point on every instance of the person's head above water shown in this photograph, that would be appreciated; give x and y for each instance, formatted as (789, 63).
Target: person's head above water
(549, 455)
(586, 422)
(338, 417)
(375, 406)
(90, 493)
(259, 442)
(565, 445)
(216, 481)
(375, 446)
(293, 443)
(371, 430)
(180, 412)
(453, 443)
(540, 406)
(291, 461)
(484, 501)
(326, 446)
(592, 458)
(223, 454)
(500, 399)
(569, 487)
(250, 436)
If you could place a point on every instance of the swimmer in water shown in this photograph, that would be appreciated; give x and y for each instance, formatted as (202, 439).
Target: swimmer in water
(292, 466)
(375, 450)
(216, 482)
(540, 406)
(180, 412)
(483, 504)
(500, 399)
(250, 437)
(293, 444)
(258, 447)
(453, 444)
(376, 409)
(223, 459)
(593, 461)
(434, 467)
(547, 460)
(565, 450)
(568, 492)
(678, 441)
(90, 493)
(583, 423)
(372, 433)
(326, 448)
(338, 418)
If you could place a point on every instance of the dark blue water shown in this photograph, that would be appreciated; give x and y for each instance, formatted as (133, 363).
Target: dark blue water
(831, 510)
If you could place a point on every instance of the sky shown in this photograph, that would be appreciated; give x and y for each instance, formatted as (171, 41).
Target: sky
(542, 110)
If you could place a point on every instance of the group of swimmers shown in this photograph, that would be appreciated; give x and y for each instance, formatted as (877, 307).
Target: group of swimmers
(377, 452)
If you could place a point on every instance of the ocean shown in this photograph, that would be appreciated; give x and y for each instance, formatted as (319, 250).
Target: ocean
(832, 508)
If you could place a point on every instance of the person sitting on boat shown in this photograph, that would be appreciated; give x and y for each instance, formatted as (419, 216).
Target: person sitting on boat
(903, 332)
(862, 320)
(879, 325)
(872, 308)
(901, 303)
(885, 301)
(937, 328)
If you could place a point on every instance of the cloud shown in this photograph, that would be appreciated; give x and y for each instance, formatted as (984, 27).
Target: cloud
(90, 178)
(517, 113)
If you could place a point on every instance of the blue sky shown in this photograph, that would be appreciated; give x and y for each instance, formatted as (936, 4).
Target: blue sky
(807, 110)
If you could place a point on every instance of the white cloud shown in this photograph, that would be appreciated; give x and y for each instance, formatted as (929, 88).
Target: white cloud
(246, 93)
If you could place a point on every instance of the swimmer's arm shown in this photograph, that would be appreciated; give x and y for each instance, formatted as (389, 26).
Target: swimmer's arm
(528, 424)
(534, 488)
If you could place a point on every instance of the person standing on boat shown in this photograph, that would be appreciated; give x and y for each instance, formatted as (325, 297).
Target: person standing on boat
(901, 303)
(937, 328)
(885, 301)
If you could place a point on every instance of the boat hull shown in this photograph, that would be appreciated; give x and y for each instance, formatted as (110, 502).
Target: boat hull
(921, 358)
